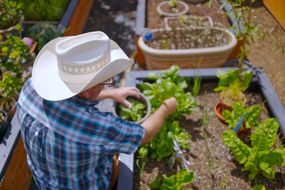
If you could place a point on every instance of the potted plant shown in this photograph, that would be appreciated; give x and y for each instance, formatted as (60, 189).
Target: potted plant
(11, 17)
(172, 8)
(189, 21)
(139, 111)
(186, 47)
(231, 86)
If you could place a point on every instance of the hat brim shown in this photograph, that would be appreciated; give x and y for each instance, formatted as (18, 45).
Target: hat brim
(49, 85)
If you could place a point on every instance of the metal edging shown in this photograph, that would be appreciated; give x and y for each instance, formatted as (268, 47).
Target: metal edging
(63, 23)
(8, 145)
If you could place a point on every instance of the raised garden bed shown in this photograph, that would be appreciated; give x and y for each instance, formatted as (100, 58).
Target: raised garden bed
(209, 158)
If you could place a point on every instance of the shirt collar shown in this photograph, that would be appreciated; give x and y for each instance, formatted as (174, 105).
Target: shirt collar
(82, 101)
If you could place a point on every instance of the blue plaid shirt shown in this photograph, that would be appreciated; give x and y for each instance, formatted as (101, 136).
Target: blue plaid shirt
(70, 144)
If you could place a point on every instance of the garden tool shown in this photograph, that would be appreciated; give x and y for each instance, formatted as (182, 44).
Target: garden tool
(179, 154)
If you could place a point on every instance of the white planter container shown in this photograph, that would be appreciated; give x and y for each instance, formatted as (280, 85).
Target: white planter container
(187, 58)
(165, 3)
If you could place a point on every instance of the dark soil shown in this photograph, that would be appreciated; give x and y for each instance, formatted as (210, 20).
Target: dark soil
(187, 38)
(210, 159)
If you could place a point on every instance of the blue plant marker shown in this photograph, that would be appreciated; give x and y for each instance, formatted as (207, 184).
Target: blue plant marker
(148, 36)
(239, 123)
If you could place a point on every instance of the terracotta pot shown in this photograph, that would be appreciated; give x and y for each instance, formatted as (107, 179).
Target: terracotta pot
(219, 108)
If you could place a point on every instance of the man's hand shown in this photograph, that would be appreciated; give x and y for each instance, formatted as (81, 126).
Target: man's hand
(120, 94)
(170, 104)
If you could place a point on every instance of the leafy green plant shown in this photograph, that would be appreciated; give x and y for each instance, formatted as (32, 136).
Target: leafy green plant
(196, 85)
(135, 113)
(172, 3)
(3, 117)
(13, 54)
(174, 182)
(142, 155)
(43, 33)
(43, 10)
(232, 84)
(246, 30)
(10, 14)
(10, 86)
(262, 157)
(169, 84)
(251, 115)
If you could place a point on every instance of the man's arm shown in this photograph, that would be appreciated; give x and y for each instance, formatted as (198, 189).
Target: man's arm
(119, 94)
(154, 122)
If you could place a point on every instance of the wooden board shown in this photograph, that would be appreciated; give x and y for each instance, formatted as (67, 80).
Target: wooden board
(277, 9)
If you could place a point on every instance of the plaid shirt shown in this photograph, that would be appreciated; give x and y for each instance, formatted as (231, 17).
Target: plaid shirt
(70, 144)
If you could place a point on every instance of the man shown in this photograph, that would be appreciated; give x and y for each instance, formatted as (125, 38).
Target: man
(69, 142)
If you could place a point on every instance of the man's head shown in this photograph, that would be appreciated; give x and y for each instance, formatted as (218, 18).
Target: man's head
(68, 66)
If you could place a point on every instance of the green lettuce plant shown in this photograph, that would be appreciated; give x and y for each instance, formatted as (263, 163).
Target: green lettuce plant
(250, 114)
(232, 85)
(174, 182)
(135, 113)
(167, 85)
(261, 157)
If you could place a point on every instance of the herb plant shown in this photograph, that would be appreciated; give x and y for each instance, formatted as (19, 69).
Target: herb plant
(262, 157)
(232, 84)
(174, 182)
(251, 115)
(135, 113)
(10, 14)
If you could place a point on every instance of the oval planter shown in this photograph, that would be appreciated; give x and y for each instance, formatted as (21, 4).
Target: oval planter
(143, 99)
(173, 12)
(187, 58)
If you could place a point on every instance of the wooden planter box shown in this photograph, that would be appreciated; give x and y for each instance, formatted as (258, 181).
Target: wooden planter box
(259, 82)
(14, 171)
(276, 8)
(141, 27)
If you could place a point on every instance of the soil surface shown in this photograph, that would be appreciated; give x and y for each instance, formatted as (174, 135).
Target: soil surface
(210, 159)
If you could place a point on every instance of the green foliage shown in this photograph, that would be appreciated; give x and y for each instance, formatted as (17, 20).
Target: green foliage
(135, 113)
(44, 10)
(169, 84)
(259, 187)
(13, 53)
(251, 115)
(10, 13)
(246, 30)
(232, 84)
(196, 85)
(43, 33)
(174, 182)
(172, 3)
(261, 157)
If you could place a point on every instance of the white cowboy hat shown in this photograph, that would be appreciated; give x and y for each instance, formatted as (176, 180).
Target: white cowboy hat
(67, 66)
